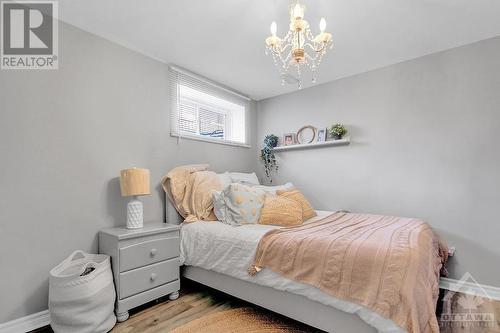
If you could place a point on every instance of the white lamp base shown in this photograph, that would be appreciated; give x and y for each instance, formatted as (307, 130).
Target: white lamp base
(134, 214)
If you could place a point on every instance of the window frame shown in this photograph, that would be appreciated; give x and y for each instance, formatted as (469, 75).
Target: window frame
(201, 104)
(206, 106)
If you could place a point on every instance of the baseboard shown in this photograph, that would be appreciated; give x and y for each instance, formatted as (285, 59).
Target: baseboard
(472, 288)
(26, 324)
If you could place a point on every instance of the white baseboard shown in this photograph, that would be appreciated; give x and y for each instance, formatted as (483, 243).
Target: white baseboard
(26, 324)
(472, 288)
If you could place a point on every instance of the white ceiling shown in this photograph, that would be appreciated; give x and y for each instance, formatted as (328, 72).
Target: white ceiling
(224, 39)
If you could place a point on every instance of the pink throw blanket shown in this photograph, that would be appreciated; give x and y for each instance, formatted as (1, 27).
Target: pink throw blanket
(389, 264)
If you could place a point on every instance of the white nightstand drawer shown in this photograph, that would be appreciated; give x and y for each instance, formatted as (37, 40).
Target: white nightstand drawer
(142, 279)
(148, 252)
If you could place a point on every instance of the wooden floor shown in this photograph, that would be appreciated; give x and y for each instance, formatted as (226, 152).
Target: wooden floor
(197, 301)
(194, 302)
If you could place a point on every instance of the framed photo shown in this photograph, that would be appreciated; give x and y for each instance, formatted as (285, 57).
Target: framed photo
(322, 135)
(289, 139)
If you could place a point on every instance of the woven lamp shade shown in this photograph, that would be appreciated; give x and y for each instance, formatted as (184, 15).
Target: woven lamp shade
(134, 182)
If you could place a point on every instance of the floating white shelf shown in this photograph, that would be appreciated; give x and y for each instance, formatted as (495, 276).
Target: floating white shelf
(342, 142)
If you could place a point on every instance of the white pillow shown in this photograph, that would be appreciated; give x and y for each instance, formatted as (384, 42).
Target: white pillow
(219, 205)
(225, 179)
(244, 178)
(273, 189)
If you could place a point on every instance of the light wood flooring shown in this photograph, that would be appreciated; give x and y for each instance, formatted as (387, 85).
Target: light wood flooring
(194, 302)
(197, 301)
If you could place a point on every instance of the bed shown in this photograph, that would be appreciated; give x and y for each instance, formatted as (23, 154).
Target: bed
(218, 255)
(336, 271)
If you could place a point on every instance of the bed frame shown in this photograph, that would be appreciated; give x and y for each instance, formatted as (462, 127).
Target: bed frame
(297, 307)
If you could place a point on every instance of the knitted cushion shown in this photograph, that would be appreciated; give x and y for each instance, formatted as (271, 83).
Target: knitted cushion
(296, 195)
(281, 211)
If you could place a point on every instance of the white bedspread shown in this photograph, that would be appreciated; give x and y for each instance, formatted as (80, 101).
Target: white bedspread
(230, 250)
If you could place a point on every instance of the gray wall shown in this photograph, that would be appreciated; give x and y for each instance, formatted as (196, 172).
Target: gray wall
(64, 137)
(425, 144)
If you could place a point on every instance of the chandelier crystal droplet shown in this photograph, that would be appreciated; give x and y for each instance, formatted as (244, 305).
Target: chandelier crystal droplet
(298, 48)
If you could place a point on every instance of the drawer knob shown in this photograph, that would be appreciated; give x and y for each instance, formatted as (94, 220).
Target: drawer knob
(153, 276)
(153, 252)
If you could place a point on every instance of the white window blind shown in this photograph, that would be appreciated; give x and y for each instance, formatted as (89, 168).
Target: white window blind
(204, 110)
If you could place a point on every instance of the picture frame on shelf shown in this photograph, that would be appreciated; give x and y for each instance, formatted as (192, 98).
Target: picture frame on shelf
(322, 134)
(289, 139)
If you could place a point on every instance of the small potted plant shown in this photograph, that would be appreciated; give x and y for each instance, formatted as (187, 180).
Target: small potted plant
(337, 131)
(267, 155)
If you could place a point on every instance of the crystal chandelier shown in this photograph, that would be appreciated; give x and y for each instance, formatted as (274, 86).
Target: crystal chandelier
(299, 48)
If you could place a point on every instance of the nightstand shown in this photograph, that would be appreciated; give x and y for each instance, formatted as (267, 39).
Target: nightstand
(145, 264)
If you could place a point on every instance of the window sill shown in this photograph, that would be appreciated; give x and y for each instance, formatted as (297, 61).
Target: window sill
(219, 142)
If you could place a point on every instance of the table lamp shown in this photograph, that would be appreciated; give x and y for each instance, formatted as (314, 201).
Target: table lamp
(134, 183)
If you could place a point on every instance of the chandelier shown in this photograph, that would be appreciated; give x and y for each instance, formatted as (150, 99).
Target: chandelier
(299, 48)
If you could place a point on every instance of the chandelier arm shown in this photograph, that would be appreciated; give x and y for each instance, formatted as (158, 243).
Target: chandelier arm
(284, 49)
(275, 52)
(320, 49)
(288, 57)
(275, 49)
(310, 46)
(309, 57)
(286, 39)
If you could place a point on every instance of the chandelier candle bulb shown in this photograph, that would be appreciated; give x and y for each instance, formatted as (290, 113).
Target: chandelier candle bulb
(274, 28)
(298, 12)
(322, 25)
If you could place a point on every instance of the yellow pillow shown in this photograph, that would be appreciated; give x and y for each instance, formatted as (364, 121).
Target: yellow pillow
(296, 195)
(281, 211)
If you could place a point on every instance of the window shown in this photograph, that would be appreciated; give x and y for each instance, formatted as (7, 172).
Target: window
(205, 111)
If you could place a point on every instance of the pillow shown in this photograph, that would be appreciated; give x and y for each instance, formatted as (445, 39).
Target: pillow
(244, 178)
(197, 200)
(225, 179)
(296, 195)
(273, 189)
(239, 204)
(281, 211)
(219, 209)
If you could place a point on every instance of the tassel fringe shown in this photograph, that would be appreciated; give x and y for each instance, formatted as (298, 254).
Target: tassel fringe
(253, 270)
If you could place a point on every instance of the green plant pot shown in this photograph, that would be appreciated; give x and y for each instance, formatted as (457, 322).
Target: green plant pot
(337, 137)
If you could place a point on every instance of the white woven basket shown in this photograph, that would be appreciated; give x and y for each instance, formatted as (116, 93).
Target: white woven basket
(78, 302)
